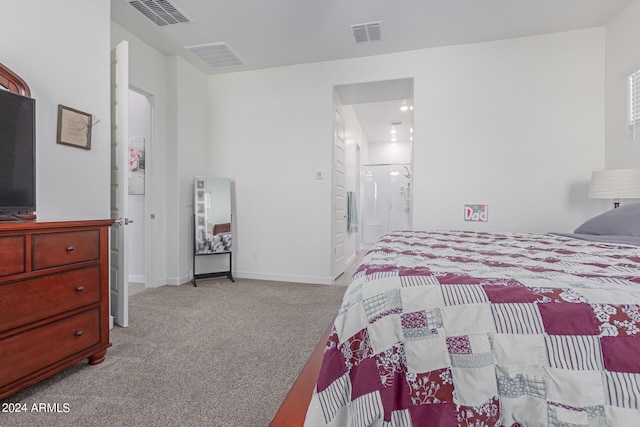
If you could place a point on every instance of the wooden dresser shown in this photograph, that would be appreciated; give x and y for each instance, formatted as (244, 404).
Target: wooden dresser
(54, 298)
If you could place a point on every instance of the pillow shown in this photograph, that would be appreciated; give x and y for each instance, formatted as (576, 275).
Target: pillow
(622, 221)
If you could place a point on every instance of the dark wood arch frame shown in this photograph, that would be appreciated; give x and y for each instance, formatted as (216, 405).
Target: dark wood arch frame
(13, 82)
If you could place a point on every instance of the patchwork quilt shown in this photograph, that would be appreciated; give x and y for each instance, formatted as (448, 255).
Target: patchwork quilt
(485, 329)
(220, 242)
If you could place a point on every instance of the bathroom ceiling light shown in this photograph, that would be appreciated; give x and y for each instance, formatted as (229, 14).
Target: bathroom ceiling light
(405, 107)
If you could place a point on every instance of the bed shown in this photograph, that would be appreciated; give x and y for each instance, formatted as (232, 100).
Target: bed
(449, 328)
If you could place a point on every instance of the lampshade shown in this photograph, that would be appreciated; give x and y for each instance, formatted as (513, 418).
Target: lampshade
(615, 184)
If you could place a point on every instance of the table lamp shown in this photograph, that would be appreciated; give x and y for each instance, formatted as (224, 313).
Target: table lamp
(615, 184)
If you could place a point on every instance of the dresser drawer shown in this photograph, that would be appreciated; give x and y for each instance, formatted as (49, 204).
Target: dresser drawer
(11, 255)
(31, 300)
(37, 348)
(54, 249)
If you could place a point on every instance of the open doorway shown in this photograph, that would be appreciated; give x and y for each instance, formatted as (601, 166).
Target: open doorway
(139, 156)
(378, 128)
(386, 168)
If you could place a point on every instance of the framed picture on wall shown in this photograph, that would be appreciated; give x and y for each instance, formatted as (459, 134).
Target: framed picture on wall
(136, 166)
(74, 127)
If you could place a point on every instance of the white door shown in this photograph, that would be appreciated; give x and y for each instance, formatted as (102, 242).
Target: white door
(119, 183)
(339, 195)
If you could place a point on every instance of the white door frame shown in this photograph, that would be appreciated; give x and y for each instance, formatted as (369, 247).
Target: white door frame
(378, 91)
(149, 164)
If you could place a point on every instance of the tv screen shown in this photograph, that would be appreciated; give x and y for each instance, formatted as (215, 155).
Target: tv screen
(17, 153)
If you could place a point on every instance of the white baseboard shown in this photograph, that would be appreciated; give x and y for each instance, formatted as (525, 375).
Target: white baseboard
(177, 281)
(284, 278)
(171, 281)
(135, 278)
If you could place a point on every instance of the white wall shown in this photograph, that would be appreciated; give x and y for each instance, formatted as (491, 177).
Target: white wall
(64, 58)
(623, 59)
(517, 124)
(270, 131)
(384, 152)
(188, 148)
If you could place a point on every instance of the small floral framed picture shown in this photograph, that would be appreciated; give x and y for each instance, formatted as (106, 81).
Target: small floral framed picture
(74, 127)
(136, 165)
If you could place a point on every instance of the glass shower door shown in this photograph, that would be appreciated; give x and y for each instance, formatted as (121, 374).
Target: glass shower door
(387, 204)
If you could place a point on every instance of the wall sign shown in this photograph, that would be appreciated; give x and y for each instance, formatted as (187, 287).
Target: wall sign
(476, 213)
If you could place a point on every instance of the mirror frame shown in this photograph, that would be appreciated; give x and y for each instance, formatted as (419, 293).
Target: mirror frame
(212, 215)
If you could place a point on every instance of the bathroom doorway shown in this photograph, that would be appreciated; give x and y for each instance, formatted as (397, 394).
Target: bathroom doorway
(382, 115)
(139, 155)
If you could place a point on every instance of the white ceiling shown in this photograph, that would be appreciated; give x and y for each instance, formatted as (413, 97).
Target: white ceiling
(272, 33)
(284, 32)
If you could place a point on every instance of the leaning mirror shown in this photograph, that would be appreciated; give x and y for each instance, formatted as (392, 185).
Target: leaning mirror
(212, 220)
(213, 215)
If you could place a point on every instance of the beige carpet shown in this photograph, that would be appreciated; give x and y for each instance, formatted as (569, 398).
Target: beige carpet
(220, 354)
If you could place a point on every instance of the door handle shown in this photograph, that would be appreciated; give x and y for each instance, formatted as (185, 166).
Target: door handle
(126, 221)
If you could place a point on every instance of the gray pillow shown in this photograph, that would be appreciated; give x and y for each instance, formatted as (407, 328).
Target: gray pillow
(622, 221)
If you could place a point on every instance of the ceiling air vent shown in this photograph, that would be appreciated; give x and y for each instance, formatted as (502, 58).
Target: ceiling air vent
(160, 12)
(367, 32)
(216, 55)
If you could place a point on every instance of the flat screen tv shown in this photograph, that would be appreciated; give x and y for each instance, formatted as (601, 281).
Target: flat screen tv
(17, 153)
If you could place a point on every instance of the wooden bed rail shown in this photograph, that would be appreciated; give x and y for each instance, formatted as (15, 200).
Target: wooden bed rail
(293, 410)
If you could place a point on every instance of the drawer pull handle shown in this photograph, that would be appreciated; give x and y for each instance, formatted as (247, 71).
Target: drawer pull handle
(70, 248)
(80, 288)
(79, 333)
